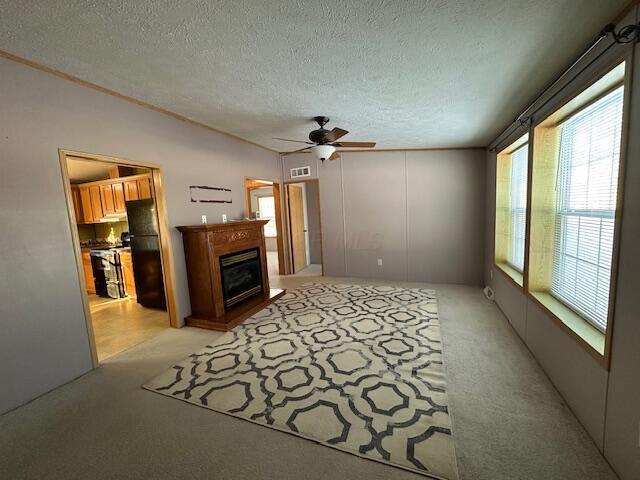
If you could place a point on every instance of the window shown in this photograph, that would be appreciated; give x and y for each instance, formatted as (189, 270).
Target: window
(511, 208)
(587, 187)
(267, 208)
(573, 209)
(518, 207)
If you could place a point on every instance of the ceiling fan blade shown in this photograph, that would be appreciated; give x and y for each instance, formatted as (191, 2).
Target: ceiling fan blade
(355, 144)
(335, 134)
(335, 156)
(289, 140)
(296, 151)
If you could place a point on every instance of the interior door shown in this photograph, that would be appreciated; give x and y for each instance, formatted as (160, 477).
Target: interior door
(296, 226)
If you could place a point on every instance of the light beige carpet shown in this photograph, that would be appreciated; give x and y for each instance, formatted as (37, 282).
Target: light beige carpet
(357, 368)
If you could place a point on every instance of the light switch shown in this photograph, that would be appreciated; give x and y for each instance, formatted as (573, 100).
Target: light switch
(379, 262)
(224, 218)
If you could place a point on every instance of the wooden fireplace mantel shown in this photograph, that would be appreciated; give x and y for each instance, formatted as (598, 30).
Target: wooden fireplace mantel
(203, 247)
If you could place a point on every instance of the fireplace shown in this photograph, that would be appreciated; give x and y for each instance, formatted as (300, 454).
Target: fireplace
(241, 276)
(227, 273)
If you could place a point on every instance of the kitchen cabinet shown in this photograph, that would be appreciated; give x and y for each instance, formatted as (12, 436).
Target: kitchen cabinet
(106, 198)
(85, 204)
(144, 188)
(131, 190)
(88, 271)
(96, 203)
(77, 203)
(127, 272)
(138, 189)
(94, 200)
(118, 197)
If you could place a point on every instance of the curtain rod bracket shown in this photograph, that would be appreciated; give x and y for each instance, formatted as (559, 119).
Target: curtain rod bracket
(626, 34)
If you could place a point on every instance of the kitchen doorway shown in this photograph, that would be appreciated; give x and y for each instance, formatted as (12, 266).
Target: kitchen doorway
(264, 202)
(304, 227)
(120, 238)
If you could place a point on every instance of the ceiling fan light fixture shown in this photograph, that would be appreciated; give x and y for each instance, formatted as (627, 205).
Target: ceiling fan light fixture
(323, 152)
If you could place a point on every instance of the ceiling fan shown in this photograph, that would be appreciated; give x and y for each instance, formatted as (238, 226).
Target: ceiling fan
(323, 142)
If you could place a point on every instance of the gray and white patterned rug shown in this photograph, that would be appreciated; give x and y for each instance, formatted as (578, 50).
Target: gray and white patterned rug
(357, 368)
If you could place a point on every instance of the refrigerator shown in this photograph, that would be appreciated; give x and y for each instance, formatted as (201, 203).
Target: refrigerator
(145, 253)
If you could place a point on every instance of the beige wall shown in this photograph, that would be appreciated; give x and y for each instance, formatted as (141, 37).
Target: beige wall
(375, 214)
(313, 222)
(622, 417)
(606, 402)
(44, 339)
(579, 378)
(420, 211)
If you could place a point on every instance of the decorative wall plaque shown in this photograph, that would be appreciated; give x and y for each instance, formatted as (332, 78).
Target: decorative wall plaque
(205, 194)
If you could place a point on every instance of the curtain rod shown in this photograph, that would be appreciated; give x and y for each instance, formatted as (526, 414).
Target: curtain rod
(626, 35)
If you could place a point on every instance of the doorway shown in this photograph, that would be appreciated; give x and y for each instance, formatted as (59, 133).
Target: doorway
(264, 202)
(304, 227)
(118, 222)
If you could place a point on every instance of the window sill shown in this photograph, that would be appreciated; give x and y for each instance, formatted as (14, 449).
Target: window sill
(581, 330)
(511, 273)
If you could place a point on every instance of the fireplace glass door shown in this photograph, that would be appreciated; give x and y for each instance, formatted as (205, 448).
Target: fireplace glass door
(241, 276)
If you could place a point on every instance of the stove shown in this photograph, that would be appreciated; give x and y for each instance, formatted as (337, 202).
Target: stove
(107, 272)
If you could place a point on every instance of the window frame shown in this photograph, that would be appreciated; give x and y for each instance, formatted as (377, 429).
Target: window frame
(524, 209)
(513, 275)
(592, 340)
(562, 213)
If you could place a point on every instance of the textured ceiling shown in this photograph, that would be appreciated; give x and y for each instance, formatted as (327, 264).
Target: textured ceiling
(412, 73)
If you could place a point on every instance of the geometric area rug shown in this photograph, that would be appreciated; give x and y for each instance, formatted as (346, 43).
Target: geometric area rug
(356, 368)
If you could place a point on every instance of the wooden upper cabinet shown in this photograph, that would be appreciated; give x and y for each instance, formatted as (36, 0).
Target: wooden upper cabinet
(85, 203)
(118, 197)
(106, 197)
(144, 188)
(93, 200)
(96, 203)
(131, 190)
(77, 203)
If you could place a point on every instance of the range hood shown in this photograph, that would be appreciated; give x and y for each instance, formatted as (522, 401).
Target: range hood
(114, 217)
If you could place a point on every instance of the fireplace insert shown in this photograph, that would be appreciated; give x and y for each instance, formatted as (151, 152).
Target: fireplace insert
(241, 276)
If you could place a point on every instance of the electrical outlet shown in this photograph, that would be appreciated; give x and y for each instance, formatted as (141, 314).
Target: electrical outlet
(224, 218)
(379, 262)
(204, 219)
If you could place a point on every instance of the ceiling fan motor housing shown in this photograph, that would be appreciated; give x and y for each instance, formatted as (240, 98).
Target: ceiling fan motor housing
(319, 136)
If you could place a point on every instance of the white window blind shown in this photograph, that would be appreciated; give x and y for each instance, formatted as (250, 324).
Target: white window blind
(267, 208)
(518, 206)
(586, 205)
